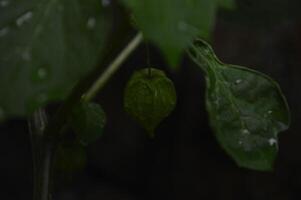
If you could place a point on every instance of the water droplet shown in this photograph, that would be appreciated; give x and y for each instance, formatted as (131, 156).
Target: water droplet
(26, 55)
(4, 3)
(238, 81)
(91, 23)
(182, 26)
(245, 131)
(105, 3)
(4, 31)
(42, 73)
(272, 141)
(24, 18)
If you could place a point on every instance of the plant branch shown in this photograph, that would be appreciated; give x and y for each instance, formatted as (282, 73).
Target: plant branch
(59, 119)
(113, 67)
(43, 137)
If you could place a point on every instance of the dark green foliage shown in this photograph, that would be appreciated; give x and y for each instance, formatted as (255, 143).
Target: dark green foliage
(149, 98)
(247, 109)
(172, 24)
(70, 157)
(88, 121)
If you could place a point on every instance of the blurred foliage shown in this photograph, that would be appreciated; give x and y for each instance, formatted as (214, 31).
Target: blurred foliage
(88, 121)
(172, 24)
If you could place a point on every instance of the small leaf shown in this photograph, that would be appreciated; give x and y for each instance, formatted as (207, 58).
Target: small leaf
(246, 108)
(149, 98)
(70, 158)
(88, 121)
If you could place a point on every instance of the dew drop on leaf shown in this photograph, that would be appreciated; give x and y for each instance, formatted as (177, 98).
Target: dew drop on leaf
(238, 81)
(26, 55)
(42, 73)
(245, 131)
(272, 141)
(182, 26)
(91, 23)
(4, 3)
(105, 3)
(4, 31)
(24, 18)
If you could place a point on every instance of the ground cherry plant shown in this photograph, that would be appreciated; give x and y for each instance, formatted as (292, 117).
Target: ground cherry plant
(52, 49)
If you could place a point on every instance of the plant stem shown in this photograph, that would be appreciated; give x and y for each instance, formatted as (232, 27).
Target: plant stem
(45, 170)
(113, 67)
(148, 63)
(42, 155)
(43, 145)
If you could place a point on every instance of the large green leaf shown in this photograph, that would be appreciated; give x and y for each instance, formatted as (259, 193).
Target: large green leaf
(247, 109)
(172, 24)
(149, 98)
(46, 46)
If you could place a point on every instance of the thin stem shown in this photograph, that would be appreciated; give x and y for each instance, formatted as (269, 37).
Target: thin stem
(113, 67)
(58, 121)
(148, 63)
(42, 155)
(43, 138)
(45, 176)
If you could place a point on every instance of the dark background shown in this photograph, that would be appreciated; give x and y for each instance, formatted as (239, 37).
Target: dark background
(184, 161)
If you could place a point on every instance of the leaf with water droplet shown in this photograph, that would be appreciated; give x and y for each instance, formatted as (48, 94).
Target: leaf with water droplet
(4, 3)
(172, 24)
(47, 47)
(246, 108)
(88, 121)
(149, 98)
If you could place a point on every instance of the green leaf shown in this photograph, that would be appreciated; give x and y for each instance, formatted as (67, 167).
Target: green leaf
(88, 121)
(246, 108)
(70, 157)
(172, 24)
(149, 98)
(46, 46)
